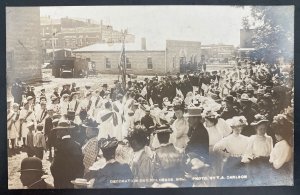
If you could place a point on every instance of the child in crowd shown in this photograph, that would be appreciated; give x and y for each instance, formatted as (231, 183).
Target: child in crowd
(39, 142)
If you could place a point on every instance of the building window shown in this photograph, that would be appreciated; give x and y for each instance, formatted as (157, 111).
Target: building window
(107, 63)
(149, 63)
(128, 63)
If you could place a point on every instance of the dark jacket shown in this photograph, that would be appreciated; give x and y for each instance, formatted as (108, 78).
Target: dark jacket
(111, 172)
(67, 164)
(168, 162)
(199, 141)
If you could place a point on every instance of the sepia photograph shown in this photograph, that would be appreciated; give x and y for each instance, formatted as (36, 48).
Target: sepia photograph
(168, 96)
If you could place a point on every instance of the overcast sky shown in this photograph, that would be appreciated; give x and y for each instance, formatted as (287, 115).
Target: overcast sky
(207, 24)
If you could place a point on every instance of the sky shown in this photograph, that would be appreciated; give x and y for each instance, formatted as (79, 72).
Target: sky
(206, 24)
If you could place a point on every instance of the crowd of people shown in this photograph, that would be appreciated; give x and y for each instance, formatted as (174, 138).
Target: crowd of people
(160, 131)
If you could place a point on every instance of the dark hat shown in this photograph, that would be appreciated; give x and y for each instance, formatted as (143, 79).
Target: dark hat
(163, 129)
(229, 99)
(90, 123)
(39, 126)
(87, 86)
(64, 124)
(67, 84)
(104, 85)
(31, 164)
(258, 119)
(108, 143)
(43, 89)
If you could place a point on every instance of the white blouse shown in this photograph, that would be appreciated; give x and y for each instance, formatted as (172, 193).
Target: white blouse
(258, 146)
(218, 131)
(281, 153)
(235, 145)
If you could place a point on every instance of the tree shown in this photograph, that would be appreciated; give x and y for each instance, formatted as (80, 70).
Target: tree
(273, 32)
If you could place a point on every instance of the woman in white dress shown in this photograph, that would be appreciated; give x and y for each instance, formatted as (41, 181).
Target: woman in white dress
(258, 150)
(13, 125)
(232, 148)
(26, 116)
(180, 127)
(217, 129)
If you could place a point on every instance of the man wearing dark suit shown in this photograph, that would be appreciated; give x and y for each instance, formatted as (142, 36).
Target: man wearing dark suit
(104, 89)
(199, 140)
(67, 164)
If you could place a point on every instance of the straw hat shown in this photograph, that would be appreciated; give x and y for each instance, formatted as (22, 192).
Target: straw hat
(193, 111)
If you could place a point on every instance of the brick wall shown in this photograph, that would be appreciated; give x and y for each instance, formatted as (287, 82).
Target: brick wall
(23, 43)
(138, 61)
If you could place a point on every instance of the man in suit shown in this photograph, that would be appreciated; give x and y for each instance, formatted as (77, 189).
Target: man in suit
(104, 89)
(199, 140)
(67, 164)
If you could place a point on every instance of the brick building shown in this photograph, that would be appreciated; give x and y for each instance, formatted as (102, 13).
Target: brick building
(23, 44)
(75, 33)
(140, 59)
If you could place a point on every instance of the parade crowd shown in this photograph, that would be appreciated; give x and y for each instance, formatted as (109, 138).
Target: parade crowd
(161, 131)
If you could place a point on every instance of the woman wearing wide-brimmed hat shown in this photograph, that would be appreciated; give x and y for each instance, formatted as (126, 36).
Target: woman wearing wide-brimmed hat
(232, 148)
(259, 149)
(180, 126)
(90, 149)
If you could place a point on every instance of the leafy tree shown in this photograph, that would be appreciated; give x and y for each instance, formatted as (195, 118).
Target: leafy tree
(273, 32)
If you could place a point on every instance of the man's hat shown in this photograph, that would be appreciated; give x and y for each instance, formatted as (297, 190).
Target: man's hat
(258, 119)
(163, 129)
(104, 85)
(67, 84)
(193, 111)
(43, 89)
(90, 123)
(64, 124)
(32, 164)
(87, 86)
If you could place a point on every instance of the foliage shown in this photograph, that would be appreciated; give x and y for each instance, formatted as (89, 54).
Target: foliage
(273, 32)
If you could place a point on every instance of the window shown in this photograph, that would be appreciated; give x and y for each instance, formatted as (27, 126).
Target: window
(128, 64)
(149, 63)
(107, 63)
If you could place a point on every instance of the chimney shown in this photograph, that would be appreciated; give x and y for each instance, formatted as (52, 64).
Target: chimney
(143, 43)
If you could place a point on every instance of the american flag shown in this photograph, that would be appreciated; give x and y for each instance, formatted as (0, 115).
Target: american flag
(122, 65)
